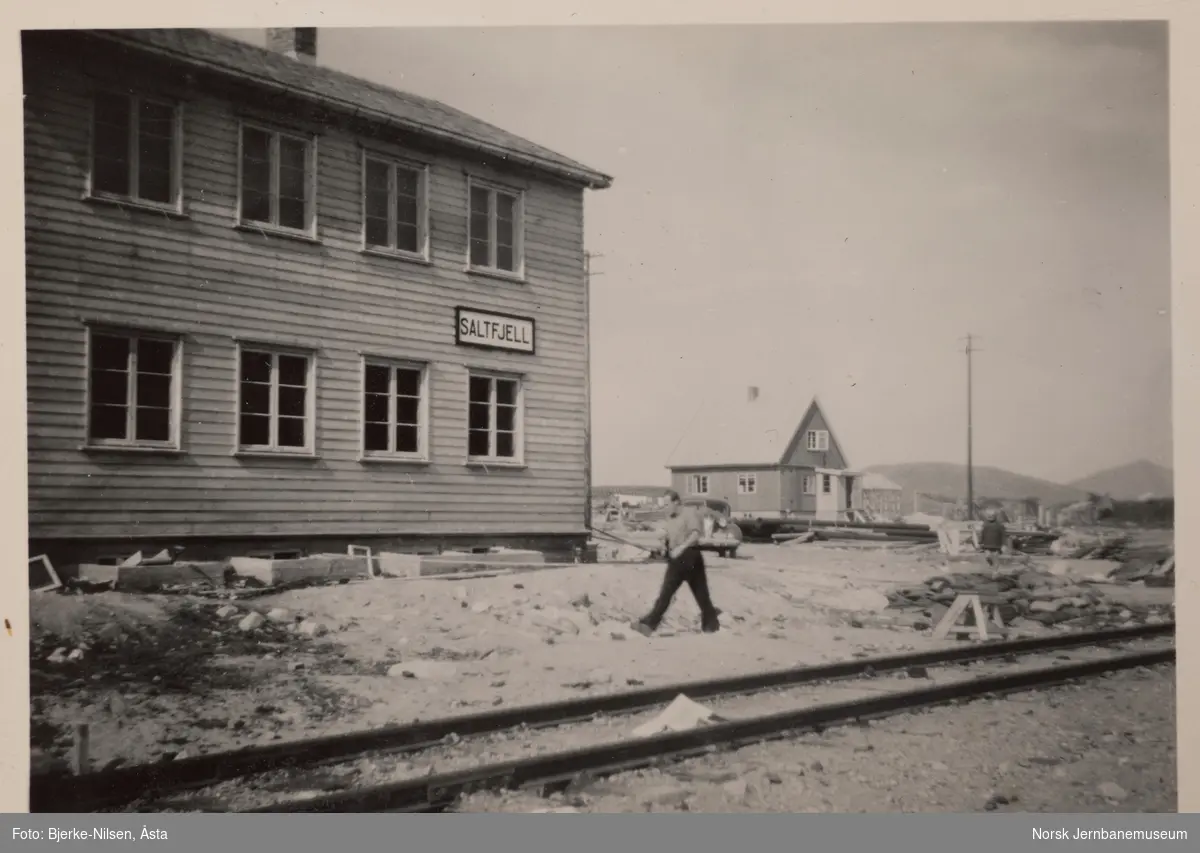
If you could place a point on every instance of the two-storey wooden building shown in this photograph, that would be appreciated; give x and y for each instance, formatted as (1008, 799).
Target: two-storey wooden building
(271, 306)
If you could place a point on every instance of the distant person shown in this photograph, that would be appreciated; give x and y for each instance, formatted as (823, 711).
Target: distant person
(992, 536)
(685, 564)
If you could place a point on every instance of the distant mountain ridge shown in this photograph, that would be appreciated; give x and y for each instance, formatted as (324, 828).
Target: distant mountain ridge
(1130, 482)
(949, 479)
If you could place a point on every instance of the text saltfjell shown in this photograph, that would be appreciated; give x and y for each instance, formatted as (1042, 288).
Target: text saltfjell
(493, 331)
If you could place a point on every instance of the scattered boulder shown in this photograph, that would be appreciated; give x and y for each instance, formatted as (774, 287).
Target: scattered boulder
(1112, 791)
(279, 615)
(251, 621)
(666, 795)
(227, 611)
(312, 628)
(736, 789)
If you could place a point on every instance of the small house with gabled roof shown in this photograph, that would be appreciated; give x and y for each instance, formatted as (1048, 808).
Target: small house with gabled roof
(766, 459)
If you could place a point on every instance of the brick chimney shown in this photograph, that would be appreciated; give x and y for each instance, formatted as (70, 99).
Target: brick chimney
(299, 43)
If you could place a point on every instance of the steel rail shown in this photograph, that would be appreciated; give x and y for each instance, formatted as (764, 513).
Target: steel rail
(559, 770)
(123, 785)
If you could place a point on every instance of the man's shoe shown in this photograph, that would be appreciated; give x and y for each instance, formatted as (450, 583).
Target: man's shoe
(711, 627)
(642, 628)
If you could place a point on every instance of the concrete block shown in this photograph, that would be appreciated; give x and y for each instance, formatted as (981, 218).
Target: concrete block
(146, 578)
(92, 573)
(456, 562)
(400, 565)
(253, 567)
(318, 567)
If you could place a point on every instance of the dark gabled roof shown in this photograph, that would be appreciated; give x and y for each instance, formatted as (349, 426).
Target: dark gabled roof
(205, 50)
(730, 431)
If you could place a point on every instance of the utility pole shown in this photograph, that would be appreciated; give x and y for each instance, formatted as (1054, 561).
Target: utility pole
(970, 438)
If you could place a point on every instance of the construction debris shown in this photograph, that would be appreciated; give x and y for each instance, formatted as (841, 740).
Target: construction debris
(42, 577)
(680, 716)
(1033, 598)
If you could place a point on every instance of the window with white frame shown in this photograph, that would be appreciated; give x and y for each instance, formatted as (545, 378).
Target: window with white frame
(826, 484)
(133, 389)
(394, 409)
(818, 439)
(809, 484)
(698, 484)
(747, 484)
(276, 400)
(277, 176)
(135, 149)
(394, 208)
(495, 228)
(494, 418)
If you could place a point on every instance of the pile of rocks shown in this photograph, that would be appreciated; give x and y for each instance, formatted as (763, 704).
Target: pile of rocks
(1027, 598)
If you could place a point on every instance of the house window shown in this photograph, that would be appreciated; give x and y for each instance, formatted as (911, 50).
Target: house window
(135, 149)
(808, 484)
(495, 229)
(818, 439)
(277, 175)
(747, 484)
(394, 410)
(394, 206)
(133, 383)
(826, 484)
(276, 401)
(493, 432)
(698, 484)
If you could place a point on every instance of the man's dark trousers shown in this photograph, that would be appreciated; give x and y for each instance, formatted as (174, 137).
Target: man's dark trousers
(687, 568)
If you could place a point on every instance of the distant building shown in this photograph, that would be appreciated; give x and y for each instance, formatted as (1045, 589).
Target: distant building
(880, 496)
(765, 461)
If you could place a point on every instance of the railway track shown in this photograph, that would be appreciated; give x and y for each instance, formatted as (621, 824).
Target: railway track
(142, 786)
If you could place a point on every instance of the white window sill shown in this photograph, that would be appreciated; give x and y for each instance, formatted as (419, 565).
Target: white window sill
(397, 255)
(172, 210)
(265, 453)
(502, 275)
(370, 458)
(276, 231)
(508, 464)
(131, 448)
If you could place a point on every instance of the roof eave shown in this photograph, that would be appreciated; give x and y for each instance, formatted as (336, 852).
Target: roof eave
(587, 178)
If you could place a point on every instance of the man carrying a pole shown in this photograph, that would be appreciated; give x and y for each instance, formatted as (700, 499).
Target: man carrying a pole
(685, 564)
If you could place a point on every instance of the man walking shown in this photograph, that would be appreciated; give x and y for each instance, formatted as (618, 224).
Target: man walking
(685, 564)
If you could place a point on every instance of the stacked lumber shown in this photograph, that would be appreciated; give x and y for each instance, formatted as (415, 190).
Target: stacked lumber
(1160, 573)
(1085, 547)
(1026, 598)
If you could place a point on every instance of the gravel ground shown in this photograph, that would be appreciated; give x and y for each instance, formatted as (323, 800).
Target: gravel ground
(1101, 745)
(261, 790)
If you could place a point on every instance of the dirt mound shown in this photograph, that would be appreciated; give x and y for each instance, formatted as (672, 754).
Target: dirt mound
(73, 618)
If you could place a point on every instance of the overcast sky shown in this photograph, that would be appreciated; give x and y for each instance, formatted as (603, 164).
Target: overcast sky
(829, 209)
